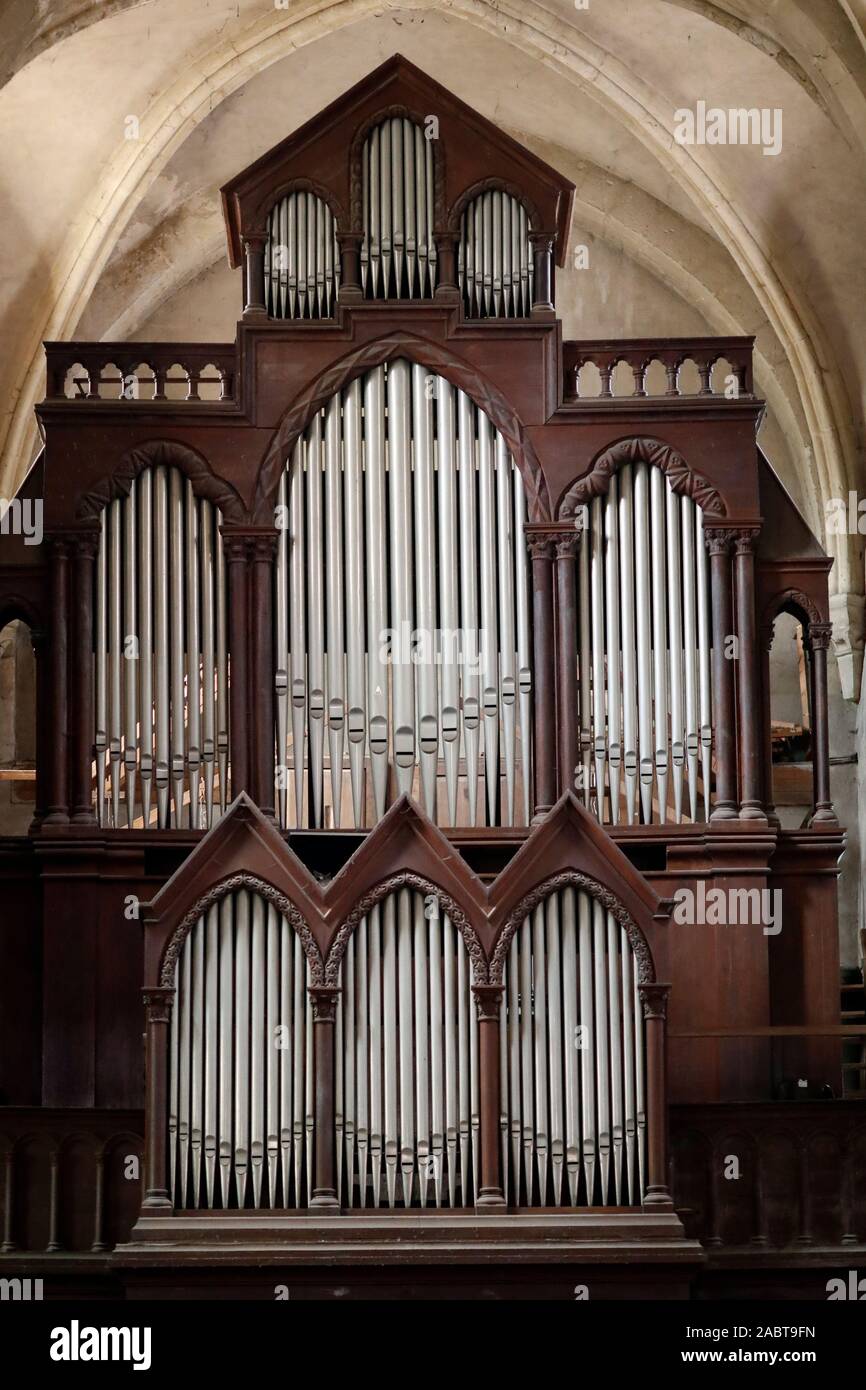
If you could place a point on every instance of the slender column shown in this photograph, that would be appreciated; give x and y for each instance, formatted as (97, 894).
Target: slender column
(541, 551)
(566, 658)
(654, 1000)
(350, 265)
(53, 1202)
(747, 673)
(158, 1005)
(43, 725)
(263, 550)
(324, 1000)
(488, 1001)
(8, 1244)
(446, 282)
(58, 784)
(766, 646)
(542, 259)
(85, 548)
(236, 550)
(718, 543)
(254, 276)
(98, 1243)
(819, 640)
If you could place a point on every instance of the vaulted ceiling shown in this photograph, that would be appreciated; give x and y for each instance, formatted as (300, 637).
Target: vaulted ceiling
(106, 236)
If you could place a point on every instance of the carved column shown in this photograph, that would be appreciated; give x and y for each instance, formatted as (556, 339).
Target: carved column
(236, 550)
(766, 643)
(43, 724)
(158, 1003)
(324, 1000)
(56, 751)
(446, 275)
(542, 244)
(85, 546)
(566, 658)
(541, 551)
(254, 276)
(718, 543)
(488, 1003)
(818, 638)
(350, 265)
(263, 548)
(654, 1001)
(747, 678)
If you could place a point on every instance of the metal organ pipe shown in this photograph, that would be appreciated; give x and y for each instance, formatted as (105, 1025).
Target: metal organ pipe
(644, 642)
(302, 259)
(405, 1018)
(239, 1050)
(573, 1065)
(494, 259)
(402, 609)
(161, 668)
(398, 250)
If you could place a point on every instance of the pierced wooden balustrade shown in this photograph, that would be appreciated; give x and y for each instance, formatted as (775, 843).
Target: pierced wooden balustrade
(672, 356)
(168, 374)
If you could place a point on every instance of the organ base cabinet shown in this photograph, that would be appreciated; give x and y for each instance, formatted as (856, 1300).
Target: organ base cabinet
(404, 872)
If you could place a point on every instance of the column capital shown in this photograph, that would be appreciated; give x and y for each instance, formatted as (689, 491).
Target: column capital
(719, 540)
(324, 999)
(488, 1002)
(819, 636)
(745, 539)
(654, 1000)
(158, 1002)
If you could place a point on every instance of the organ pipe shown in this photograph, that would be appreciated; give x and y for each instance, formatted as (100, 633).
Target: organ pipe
(418, 667)
(644, 644)
(239, 1056)
(161, 667)
(572, 1091)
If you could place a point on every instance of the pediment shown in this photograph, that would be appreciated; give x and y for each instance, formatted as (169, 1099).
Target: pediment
(405, 849)
(323, 156)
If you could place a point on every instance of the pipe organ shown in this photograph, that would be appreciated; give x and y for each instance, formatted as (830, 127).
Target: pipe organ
(494, 257)
(404, 922)
(644, 653)
(162, 662)
(398, 252)
(302, 259)
(402, 610)
(240, 1126)
(407, 1060)
(573, 1091)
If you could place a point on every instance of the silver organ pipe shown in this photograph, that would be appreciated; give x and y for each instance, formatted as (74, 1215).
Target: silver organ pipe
(405, 1017)
(239, 1058)
(302, 259)
(644, 645)
(398, 251)
(572, 1087)
(402, 612)
(494, 259)
(161, 661)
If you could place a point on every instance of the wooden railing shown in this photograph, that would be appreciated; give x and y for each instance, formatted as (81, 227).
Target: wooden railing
(641, 368)
(70, 1180)
(777, 1176)
(141, 373)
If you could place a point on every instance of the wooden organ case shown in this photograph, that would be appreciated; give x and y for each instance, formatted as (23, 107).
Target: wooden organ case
(399, 666)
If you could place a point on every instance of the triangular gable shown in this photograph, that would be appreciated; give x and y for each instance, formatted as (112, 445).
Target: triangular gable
(319, 156)
(405, 848)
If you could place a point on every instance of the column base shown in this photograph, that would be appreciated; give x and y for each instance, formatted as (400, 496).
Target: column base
(750, 810)
(725, 810)
(325, 1202)
(490, 1197)
(824, 815)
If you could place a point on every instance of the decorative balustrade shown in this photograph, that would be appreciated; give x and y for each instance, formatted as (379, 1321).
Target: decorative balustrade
(70, 1179)
(141, 373)
(649, 368)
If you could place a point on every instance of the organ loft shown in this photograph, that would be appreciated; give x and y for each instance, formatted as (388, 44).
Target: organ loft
(400, 666)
